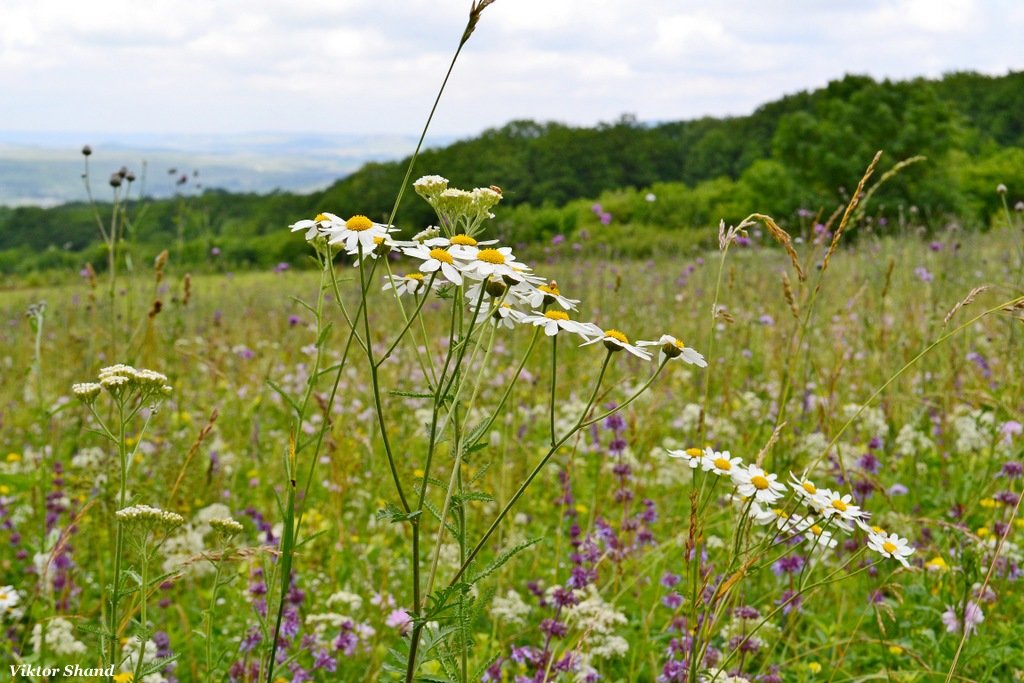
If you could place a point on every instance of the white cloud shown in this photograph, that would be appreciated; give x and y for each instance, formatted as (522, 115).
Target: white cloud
(374, 65)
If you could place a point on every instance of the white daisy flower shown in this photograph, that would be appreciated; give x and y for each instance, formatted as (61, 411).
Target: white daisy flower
(9, 599)
(314, 228)
(382, 246)
(834, 504)
(555, 321)
(490, 261)
(754, 482)
(691, 456)
(672, 348)
(804, 488)
(617, 341)
(819, 538)
(437, 259)
(523, 275)
(869, 529)
(355, 232)
(543, 295)
(763, 516)
(502, 316)
(460, 246)
(494, 289)
(891, 545)
(720, 462)
(410, 283)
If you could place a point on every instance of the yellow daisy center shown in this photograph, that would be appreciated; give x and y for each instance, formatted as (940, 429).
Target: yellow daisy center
(889, 547)
(816, 530)
(679, 345)
(759, 482)
(839, 505)
(491, 256)
(550, 289)
(464, 240)
(359, 223)
(694, 452)
(723, 464)
(878, 529)
(413, 276)
(378, 240)
(779, 512)
(556, 315)
(320, 218)
(617, 336)
(809, 487)
(441, 255)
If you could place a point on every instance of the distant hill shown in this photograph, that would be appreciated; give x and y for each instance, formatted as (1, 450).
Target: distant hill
(790, 158)
(42, 169)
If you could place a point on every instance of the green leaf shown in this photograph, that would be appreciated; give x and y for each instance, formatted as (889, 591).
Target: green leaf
(324, 333)
(397, 515)
(283, 394)
(504, 557)
(411, 394)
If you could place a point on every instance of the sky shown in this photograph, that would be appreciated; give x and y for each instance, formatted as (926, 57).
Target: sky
(374, 66)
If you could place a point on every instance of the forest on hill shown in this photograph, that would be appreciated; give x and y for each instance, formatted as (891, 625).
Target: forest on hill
(627, 183)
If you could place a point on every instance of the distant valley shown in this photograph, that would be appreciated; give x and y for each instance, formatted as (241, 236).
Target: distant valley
(45, 169)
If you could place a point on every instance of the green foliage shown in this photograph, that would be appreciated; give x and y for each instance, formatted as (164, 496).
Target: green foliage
(803, 151)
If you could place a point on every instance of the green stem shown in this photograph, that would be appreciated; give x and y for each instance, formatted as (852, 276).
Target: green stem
(710, 347)
(533, 475)
(554, 375)
(143, 590)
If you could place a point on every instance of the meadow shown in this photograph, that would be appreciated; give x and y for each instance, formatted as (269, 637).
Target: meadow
(357, 484)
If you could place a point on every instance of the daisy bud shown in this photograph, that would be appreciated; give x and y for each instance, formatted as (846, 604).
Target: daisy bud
(671, 350)
(495, 288)
(115, 180)
(1001, 188)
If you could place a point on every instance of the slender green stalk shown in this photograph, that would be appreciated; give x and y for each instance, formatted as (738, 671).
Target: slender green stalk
(533, 475)
(209, 615)
(710, 346)
(554, 376)
(115, 596)
(143, 594)
(906, 366)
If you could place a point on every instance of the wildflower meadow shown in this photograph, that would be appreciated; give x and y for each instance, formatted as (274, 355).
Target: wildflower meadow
(431, 454)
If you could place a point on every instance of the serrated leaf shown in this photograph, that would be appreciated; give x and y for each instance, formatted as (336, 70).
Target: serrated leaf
(504, 557)
(410, 394)
(396, 515)
(474, 496)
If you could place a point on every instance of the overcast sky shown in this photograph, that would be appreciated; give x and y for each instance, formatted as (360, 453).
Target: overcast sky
(373, 66)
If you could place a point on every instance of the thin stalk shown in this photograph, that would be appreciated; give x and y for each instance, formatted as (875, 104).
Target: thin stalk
(554, 375)
(378, 404)
(533, 475)
(710, 347)
(143, 588)
(115, 597)
(907, 366)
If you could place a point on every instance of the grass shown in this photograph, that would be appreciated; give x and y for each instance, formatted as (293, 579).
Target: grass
(237, 332)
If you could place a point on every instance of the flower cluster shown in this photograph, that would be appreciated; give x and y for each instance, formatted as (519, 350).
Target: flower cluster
(121, 381)
(826, 510)
(147, 517)
(498, 286)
